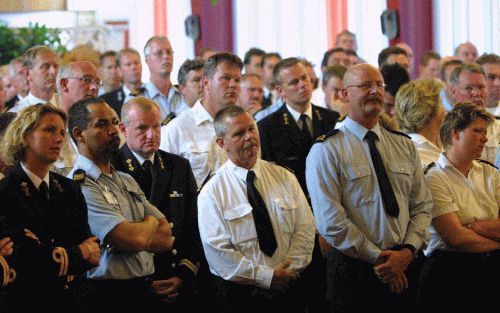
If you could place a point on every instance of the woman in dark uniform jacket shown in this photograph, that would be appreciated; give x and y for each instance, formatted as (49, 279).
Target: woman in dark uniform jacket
(59, 246)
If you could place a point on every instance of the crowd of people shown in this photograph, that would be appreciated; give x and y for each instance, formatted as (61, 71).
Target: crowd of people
(252, 184)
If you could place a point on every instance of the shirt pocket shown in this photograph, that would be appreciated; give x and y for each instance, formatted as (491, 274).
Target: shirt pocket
(197, 155)
(356, 172)
(286, 215)
(403, 174)
(240, 223)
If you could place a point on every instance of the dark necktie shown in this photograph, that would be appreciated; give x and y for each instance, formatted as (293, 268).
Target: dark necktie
(265, 233)
(305, 129)
(390, 202)
(147, 167)
(44, 191)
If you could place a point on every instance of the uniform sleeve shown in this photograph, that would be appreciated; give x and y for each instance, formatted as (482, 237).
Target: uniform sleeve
(323, 182)
(420, 206)
(168, 134)
(266, 147)
(223, 259)
(302, 241)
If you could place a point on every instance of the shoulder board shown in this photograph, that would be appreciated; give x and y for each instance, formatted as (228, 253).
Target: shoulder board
(137, 92)
(286, 167)
(168, 119)
(397, 133)
(497, 117)
(486, 162)
(428, 167)
(79, 176)
(327, 135)
(342, 118)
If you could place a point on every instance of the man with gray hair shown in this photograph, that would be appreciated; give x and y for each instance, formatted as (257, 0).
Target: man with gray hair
(75, 81)
(160, 59)
(41, 65)
(192, 135)
(468, 84)
(18, 81)
(256, 226)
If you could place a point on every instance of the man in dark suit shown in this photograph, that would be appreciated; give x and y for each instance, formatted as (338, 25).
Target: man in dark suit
(283, 137)
(130, 68)
(169, 184)
(286, 137)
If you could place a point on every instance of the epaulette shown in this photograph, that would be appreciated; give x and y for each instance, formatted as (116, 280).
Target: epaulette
(286, 167)
(168, 119)
(397, 133)
(137, 92)
(487, 162)
(497, 117)
(79, 176)
(327, 135)
(342, 118)
(205, 181)
(428, 167)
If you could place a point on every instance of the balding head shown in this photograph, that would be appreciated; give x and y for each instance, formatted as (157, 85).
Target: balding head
(364, 91)
(76, 81)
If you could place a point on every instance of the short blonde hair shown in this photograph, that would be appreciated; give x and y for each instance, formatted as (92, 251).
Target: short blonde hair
(417, 103)
(142, 103)
(13, 147)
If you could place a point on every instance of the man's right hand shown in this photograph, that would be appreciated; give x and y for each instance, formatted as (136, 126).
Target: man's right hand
(282, 276)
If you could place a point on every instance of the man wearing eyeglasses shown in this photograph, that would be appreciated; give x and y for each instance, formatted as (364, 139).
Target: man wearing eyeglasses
(468, 84)
(160, 59)
(370, 202)
(75, 81)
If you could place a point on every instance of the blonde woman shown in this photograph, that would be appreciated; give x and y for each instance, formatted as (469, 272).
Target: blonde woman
(419, 113)
(51, 206)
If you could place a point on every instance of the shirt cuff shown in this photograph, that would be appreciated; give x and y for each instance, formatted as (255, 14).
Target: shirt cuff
(264, 276)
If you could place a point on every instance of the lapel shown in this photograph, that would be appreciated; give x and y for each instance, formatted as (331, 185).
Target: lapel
(131, 165)
(318, 123)
(290, 129)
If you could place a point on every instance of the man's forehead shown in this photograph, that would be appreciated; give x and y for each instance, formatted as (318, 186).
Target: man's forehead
(466, 76)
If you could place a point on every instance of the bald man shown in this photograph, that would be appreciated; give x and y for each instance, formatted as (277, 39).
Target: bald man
(370, 202)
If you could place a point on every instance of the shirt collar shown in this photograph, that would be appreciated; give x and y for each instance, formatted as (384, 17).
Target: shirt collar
(360, 131)
(141, 160)
(34, 100)
(443, 163)
(241, 173)
(90, 168)
(296, 115)
(200, 114)
(35, 179)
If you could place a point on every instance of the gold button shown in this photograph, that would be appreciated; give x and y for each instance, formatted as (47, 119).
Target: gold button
(171, 225)
(174, 252)
(52, 240)
(174, 265)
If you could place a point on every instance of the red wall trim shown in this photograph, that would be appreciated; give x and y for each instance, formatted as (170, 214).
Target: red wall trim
(160, 17)
(336, 19)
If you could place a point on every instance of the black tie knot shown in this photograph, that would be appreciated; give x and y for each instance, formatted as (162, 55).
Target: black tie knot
(148, 166)
(371, 136)
(250, 177)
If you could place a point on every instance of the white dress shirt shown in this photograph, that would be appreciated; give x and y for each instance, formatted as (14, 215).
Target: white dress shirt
(475, 197)
(227, 226)
(192, 135)
(427, 151)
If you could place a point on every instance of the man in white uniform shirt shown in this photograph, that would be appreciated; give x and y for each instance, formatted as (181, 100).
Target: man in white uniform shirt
(41, 65)
(192, 135)
(256, 225)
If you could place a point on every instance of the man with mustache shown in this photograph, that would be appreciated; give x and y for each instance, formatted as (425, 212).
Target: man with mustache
(128, 226)
(160, 59)
(370, 202)
(41, 65)
(256, 226)
(468, 84)
(192, 135)
(75, 81)
(169, 184)
(286, 137)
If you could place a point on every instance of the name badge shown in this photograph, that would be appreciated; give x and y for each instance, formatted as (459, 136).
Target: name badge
(174, 194)
(110, 197)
